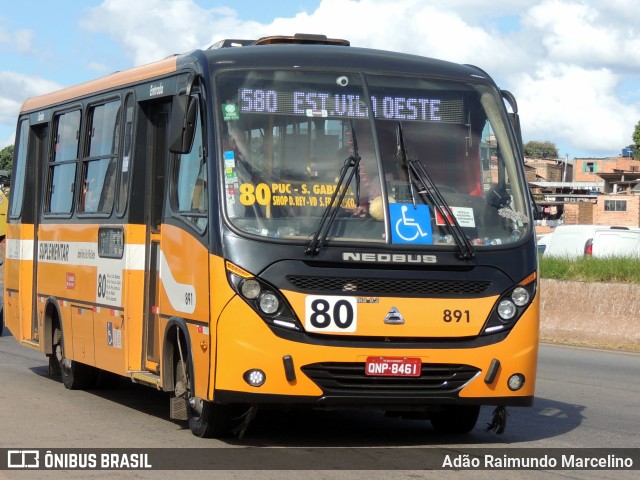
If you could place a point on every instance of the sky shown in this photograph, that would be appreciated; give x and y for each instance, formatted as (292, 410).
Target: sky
(573, 65)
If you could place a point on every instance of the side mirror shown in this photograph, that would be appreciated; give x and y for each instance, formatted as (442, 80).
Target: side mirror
(513, 116)
(183, 123)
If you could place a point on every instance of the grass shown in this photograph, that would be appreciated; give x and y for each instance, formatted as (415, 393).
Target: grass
(588, 269)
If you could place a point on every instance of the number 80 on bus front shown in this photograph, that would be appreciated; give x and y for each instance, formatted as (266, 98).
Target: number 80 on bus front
(331, 314)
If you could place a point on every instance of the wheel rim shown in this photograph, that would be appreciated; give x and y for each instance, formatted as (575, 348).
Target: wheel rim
(65, 363)
(195, 404)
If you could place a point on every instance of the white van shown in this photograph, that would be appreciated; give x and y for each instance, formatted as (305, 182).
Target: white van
(573, 241)
(616, 242)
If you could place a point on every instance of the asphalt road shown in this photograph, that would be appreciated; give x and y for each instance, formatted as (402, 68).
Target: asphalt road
(585, 399)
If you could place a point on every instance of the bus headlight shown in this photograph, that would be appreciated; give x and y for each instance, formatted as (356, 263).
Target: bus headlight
(269, 303)
(511, 305)
(520, 296)
(263, 298)
(506, 309)
(250, 289)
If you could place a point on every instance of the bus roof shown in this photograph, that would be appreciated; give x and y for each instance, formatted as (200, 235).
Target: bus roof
(336, 56)
(279, 54)
(116, 79)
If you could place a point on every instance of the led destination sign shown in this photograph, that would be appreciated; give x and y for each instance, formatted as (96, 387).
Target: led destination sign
(324, 104)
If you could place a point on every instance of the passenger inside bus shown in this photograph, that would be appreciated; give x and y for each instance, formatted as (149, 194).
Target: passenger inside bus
(98, 193)
(370, 180)
(450, 155)
(90, 197)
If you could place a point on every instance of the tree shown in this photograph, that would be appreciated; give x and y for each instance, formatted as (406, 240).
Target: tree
(636, 142)
(535, 149)
(6, 158)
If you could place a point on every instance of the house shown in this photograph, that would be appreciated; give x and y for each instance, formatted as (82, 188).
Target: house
(550, 169)
(619, 210)
(601, 191)
(591, 169)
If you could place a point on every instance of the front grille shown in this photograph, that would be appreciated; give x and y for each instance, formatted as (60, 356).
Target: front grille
(350, 379)
(390, 286)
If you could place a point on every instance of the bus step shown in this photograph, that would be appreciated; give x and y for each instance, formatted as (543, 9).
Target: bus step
(31, 343)
(178, 408)
(145, 377)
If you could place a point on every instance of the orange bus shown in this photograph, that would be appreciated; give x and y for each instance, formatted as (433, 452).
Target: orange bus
(287, 221)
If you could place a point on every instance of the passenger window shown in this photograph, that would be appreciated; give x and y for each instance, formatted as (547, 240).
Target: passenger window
(17, 186)
(99, 168)
(191, 181)
(62, 169)
(125, 167)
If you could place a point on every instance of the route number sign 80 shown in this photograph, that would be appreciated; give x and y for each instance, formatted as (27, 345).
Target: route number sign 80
(330, 314)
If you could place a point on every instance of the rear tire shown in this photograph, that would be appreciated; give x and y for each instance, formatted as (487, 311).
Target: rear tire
(75, 375)
(455, 419)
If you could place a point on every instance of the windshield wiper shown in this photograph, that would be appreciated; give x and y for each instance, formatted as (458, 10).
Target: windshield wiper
(419, 177)
(348, 171)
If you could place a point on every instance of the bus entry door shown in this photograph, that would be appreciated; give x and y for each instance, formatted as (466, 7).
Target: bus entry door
(156, 161)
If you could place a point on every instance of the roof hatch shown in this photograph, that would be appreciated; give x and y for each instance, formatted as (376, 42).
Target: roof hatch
(298, 38)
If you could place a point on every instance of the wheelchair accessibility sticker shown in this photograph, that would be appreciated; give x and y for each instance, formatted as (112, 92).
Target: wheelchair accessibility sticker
(410, 224)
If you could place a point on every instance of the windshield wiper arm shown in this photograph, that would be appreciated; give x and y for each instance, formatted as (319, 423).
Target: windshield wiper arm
(348, 171)
(401, 155)
(418, 176)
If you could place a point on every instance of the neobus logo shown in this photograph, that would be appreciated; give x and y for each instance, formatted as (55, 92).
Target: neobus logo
(388, 257)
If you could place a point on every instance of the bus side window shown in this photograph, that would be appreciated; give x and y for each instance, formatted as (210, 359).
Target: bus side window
(125, 161)
(62, 168)
(17, 186)
(99, 169)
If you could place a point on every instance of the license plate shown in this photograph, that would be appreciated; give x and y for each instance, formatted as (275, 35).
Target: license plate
(393, 367)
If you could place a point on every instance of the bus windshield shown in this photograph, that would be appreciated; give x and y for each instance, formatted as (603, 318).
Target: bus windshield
(287, 136)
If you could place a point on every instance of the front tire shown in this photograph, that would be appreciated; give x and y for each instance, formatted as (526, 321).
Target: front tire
(455, 419)
(206, 419)
(210, 420)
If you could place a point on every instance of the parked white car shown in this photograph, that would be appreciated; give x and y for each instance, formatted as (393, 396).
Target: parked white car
(574, 241)
(543, 242)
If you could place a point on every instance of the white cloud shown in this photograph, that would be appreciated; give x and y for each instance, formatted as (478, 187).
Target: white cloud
(19, 40)
(586, 34)
(404, 25)
(150, 30)
(14, 88)
(566, 102)
(8, 141)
